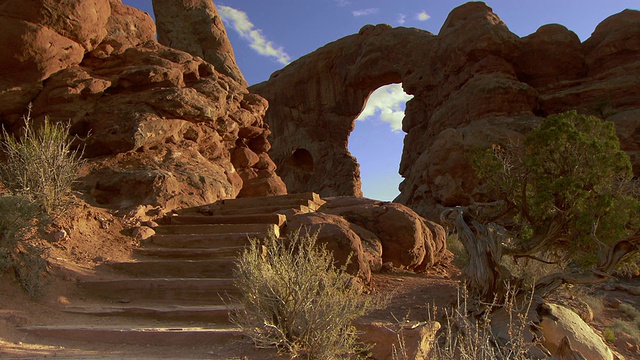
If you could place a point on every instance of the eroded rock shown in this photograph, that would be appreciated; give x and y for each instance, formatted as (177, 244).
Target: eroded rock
(558, 323)
(474, 84)
(194, 26)
(158, 125)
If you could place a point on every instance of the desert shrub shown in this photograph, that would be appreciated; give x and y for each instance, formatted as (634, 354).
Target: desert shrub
(609, 335)
(570, 171)
(466, 337)
(460, 256)
(296, 300)
(41, 164)
(566, 193)
(20, 219)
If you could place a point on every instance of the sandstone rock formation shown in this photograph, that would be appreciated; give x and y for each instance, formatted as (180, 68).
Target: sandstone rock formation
(374, 232)
(158, 125)
(194, 26)
(560, 325)
(474, 84)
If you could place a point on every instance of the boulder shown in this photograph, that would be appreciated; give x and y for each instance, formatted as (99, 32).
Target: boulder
(558, 323)
(82, 21)
(410, 340)
(126, 27)
(194, 26)
(340, 237)
(552, 54)
(408, 240)
(33, 52)
(614, 43)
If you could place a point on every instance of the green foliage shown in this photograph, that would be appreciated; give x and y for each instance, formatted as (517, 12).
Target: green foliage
(609, 335)
(20, 219)
(41, 165)
(570, 171)
(294, 299)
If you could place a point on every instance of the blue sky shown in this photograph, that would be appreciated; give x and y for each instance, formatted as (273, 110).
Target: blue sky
(266, 35)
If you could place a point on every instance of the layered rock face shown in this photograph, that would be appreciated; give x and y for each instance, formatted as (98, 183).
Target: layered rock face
(158, 125)
(474, 84)
(372, 233)
(194, 26)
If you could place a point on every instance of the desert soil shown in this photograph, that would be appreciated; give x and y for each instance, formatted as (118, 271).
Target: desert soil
(99, 235)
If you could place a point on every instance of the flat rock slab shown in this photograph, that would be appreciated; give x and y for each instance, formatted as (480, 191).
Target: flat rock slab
(140, 335)
(204, 313)
(201, 291)
(193, 254)
(205, 241)
(217, 268)
(217, 229)
(276, 219)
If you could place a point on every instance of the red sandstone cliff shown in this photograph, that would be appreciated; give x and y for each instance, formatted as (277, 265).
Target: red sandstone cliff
(474, 84)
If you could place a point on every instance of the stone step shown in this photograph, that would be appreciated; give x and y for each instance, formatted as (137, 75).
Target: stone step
(217, 229)
(276, 219)
(189, 254)
(195, 291)
(218, 268)
(169, 336)
(218, 314)
(258, 210)
(312, 200)
(205, 241)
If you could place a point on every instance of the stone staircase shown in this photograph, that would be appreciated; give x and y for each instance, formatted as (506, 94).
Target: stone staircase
(176, 291)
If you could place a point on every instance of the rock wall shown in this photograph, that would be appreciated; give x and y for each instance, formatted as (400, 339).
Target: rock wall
(194, 26)
(158, 125)
(474, 84)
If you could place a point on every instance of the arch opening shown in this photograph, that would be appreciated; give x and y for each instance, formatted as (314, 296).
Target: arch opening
(377, 142)
(302, 160)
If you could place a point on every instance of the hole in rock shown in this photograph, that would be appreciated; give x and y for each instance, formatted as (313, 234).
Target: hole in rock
(302, 160)
(377, 141)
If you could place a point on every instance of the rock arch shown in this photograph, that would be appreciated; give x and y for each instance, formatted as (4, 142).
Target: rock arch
(474, 84)
(315, 101)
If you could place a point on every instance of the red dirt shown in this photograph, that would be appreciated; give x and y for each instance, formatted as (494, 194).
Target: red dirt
(99, 235)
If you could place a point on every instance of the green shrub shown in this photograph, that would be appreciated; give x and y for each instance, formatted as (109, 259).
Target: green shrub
(41, 164)
(20, 219)
(609, 335)
(296, 300)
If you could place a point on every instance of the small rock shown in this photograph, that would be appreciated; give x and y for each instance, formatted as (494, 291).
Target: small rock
(62, 300)
(614, 303)
(142, 233)
(150, 223)
(60, 235)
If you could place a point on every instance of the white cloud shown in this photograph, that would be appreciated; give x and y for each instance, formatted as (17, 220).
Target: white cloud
(402, 18)
(364, 12)
(388, 101)
(241, 24)
(343, 3)
(423, 16)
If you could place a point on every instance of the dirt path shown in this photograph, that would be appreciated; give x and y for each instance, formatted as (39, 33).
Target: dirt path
(412, 297)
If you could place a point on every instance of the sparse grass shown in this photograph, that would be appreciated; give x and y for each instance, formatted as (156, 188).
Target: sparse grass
(629, 267)
(39, 170)
(594, 302)
(630, 327)
(468, 338)
(460, 255)
(294, 298)
(41, 164)
(20, 219)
